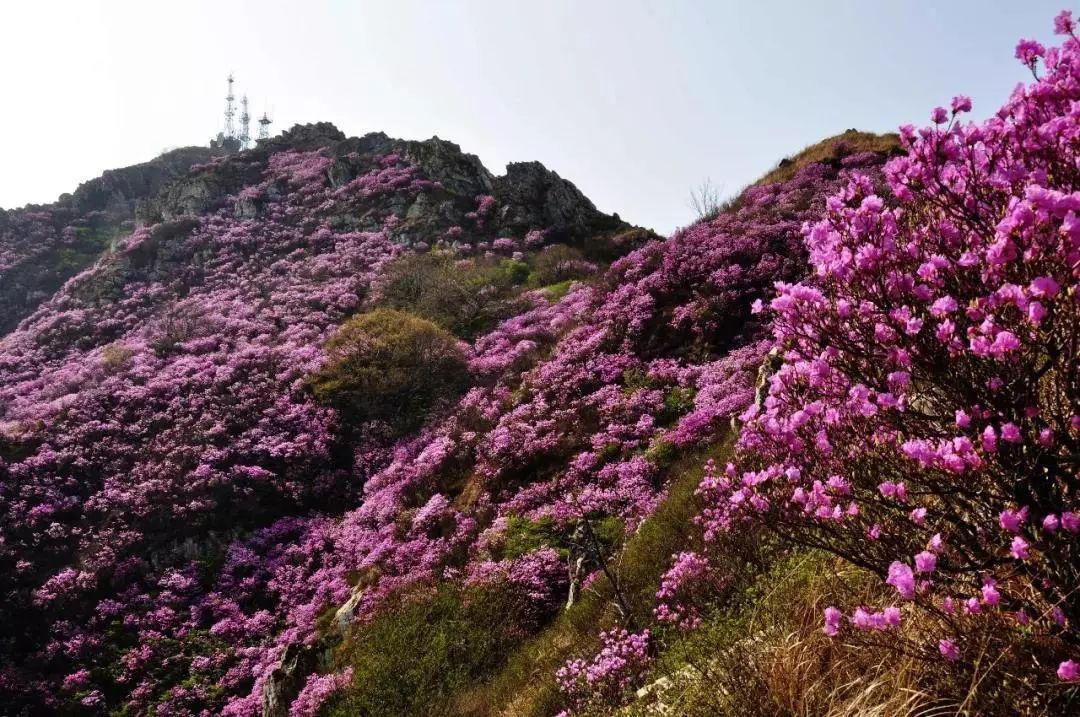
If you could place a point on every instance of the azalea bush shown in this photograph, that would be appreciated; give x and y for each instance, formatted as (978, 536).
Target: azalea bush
(595, 685)
(924, 421)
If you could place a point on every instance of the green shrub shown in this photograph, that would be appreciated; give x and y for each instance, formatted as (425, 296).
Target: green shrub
(412, 659)
(677, 402)
(524, 536)
(555, 292)
(512, 271)
(464, 296)
(390, 366)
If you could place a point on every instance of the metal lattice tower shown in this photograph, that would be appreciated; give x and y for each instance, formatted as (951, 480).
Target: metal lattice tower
(245, 124)
(230, 111)
(264, 126)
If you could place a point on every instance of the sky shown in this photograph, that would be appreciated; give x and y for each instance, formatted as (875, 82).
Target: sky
(635, 102)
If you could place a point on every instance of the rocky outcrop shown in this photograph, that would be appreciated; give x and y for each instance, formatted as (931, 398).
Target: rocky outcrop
(45, 245)
(196, 180)
(288, 678)
(118, 191)
(530, 195)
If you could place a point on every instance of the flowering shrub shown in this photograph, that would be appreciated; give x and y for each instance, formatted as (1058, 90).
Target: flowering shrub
(536, 581)
(925, 418)
(316, 691)
(606, 679)
(682, 588)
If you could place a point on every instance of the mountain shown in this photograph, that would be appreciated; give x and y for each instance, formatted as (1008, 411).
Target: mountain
(153, 407)
(181, 512)
(42, 246)
(351, 426)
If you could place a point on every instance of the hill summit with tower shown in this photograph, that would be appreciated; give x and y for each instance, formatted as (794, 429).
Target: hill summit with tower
(231, 138)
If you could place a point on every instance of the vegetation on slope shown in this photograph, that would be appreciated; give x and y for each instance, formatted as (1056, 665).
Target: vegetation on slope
(273, 526)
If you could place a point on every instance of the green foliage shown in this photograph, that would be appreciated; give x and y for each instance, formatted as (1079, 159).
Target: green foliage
(609, 532)
(662, 453)
(677, 402)
(635, 379)
(670, 529)
(465, 297)
(524, 536)
(525, 685)
(411, 659)
(555, 292)
(390, 366)
(84, 248)
(512, 271)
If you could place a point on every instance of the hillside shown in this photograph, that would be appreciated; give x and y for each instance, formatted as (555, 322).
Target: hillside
(352, 426)
(157, 423)
(43, 246)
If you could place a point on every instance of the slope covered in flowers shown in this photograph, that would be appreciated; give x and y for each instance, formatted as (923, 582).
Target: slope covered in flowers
(916, 440)
(154, 411)
(181, 517)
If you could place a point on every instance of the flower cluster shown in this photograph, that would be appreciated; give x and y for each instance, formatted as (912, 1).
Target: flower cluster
(317, 690)
(605, 679)
(680, 588)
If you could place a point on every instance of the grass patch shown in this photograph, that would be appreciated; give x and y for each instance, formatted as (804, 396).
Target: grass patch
(411, 659)
(524, 685)
(832, 150)
(764, 653)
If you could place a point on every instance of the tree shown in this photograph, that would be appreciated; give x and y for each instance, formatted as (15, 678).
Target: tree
(705, 199)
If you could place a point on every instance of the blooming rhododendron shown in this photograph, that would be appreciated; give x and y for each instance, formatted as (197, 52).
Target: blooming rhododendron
(933, 348)
(606, 678)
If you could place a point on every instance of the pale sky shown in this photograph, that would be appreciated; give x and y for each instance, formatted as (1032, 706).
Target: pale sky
(633, 101)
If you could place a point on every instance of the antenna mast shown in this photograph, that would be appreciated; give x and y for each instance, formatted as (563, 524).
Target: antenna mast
(245, 124)
(230, 111)
(264, 126)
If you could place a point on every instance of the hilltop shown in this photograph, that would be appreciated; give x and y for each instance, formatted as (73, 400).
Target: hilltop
(352, 426)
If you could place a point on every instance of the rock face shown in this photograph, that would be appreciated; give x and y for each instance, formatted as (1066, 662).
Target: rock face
(533, 196)
(528, 196)
(118, 191)
(288, 678)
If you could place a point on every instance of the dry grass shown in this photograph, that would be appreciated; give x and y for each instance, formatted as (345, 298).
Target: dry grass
(832, 149)
(768, 657)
